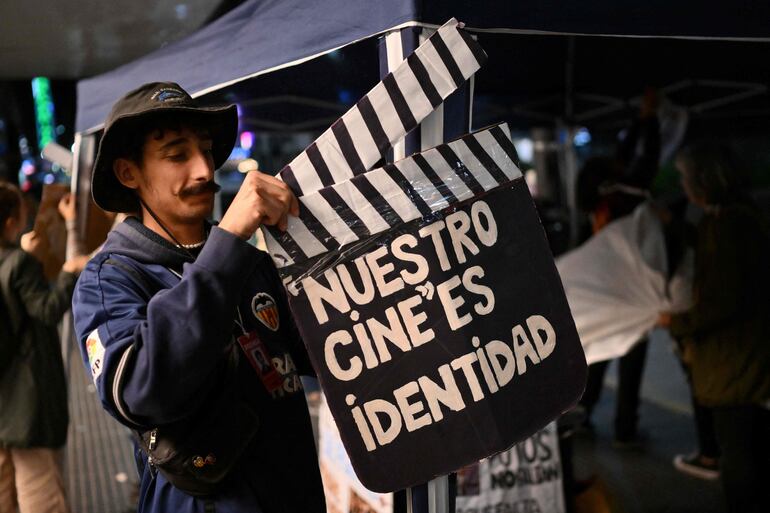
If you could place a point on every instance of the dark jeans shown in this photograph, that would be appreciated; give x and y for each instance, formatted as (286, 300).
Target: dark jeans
(630, 369)
(704, 422)
(704, 429)
(744, 437)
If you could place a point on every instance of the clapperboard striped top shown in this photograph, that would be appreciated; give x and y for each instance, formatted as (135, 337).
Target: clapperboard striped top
(415, 187)
(396, 105)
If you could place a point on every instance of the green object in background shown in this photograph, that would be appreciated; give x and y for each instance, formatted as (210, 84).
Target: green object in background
(44, 114)
(666, 180)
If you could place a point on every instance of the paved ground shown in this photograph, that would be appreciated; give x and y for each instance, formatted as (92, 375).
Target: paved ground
(99, 468)
(644, 481)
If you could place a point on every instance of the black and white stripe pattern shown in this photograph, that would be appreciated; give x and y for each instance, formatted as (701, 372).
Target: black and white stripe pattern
(375, 201)
(395, 106)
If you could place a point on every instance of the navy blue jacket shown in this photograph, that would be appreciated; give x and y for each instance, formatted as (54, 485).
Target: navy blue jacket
(157, 343)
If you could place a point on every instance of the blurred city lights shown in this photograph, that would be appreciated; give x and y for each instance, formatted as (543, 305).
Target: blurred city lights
(525, 149)
(247, 140)
(582, 137)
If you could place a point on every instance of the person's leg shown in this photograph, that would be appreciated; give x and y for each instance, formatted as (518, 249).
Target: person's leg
(630, 370)
(704, 430)
(594, 384)
(7, 486)
(741, 431)
(39, 483)
(702, 463)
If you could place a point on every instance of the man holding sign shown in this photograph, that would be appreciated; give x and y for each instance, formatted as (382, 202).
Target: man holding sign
(184, 326)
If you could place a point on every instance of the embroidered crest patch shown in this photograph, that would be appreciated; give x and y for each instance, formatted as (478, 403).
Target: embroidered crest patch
(169, 94)
(95, 350)
(265, 310)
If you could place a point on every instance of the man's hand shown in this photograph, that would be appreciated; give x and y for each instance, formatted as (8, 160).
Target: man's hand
(262, 199)
(36, 245)
(75, 265)
(67, 207)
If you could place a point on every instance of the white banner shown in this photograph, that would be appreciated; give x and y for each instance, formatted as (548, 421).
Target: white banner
(344, 492)
(524, 479)
(616, 284)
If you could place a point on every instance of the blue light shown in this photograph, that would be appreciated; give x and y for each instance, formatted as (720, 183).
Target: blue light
(345, 96)
(238, 154)
(582, 137)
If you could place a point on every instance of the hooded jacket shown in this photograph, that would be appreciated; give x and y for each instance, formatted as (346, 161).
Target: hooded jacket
(156, 328)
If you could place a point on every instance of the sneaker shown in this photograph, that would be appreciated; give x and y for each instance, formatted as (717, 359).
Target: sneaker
(697, 465)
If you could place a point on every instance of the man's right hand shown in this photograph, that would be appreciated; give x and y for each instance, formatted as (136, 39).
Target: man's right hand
(262, 199)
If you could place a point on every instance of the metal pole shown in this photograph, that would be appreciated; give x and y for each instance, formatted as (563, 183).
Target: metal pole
(82, 159)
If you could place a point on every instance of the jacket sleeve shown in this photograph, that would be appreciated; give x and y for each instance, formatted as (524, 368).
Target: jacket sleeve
(42, 303)
(153, 361)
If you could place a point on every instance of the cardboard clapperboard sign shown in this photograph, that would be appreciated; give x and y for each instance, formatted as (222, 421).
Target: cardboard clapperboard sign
(425, 290)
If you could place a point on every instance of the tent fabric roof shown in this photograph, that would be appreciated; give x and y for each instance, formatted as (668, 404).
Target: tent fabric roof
(261, 36)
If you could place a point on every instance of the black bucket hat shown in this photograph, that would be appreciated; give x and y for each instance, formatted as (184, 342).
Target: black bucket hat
(143, 102)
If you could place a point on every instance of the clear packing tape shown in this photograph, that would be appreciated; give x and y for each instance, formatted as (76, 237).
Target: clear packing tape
(354, 211)
(344, 204)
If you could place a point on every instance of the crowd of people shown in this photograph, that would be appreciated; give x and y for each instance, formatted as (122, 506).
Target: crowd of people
(148, 287)
(722, 340)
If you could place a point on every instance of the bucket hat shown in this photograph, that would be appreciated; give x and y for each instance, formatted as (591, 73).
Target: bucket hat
(144, 102)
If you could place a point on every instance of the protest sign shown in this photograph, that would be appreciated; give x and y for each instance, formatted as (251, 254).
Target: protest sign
(50, 226)
(524, 479)
(425, 290)
(441, 341)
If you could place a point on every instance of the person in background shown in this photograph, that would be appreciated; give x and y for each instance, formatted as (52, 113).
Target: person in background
(727, 330)
(33, 395)
(609, 188)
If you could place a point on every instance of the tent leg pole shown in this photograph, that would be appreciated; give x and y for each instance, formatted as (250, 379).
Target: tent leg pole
(449, 120)
(438, 495)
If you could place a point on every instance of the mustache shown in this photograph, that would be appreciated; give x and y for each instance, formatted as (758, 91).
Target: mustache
(200, 188)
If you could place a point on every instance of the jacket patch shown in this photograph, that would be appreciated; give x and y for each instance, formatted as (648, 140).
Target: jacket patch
(265, 310)
(95, 350)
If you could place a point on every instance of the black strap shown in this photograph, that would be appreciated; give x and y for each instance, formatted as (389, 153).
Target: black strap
(140, 277)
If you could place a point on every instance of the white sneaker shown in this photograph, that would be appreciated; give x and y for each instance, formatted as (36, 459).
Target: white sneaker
(695, 465)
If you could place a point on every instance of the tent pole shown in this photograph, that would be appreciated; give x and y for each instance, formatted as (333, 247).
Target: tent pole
(568, 154)
(82, 159)
(449, 120)
(569, 81)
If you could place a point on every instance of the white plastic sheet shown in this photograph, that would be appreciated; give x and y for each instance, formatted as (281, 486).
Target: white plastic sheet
(616, 284)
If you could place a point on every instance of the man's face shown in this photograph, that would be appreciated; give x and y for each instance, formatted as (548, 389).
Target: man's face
(176, 178)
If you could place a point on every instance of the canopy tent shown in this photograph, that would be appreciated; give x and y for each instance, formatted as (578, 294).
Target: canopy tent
(261, 37)
(310, 60)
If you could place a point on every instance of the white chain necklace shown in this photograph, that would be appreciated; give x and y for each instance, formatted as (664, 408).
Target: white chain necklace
(195, 245)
